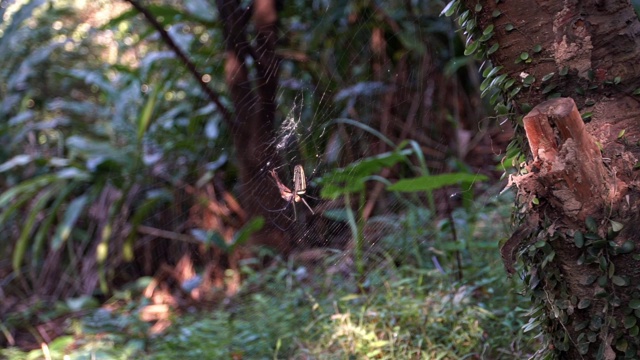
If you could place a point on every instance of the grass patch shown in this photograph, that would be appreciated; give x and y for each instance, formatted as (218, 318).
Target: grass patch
(411, 304)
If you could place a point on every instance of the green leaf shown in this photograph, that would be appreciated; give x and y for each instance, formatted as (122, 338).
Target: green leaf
(537, 48)
(591, 224)
(589, 280)
(433, 182)
(463, 17)
(509, 27)
(352, 178)
(25, 187)
(493, 48)
(532, 324)
(524, 55)
(478, 7)
(28, 226)
(71, 215)
(563, 71)
(629, 321)
(634, 304)
(581, 325)
(45, 226)
(547, 77)
(549, 88)
(485, 37)
(530, 79)
(584, 303)
(488, 30)
(244, 234)
(496, 13)
(145, 115)
(471, 48)
(636, 91)
(626, 247)
(619, 280)
(616, 226)
(578, 239)
(450, 8)
(143, 210)
(622, 345)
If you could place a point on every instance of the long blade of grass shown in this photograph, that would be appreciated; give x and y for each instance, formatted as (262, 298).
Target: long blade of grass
(71, 215)
(52, 215)
(28, 227)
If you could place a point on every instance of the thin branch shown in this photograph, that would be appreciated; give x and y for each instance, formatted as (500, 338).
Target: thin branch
(212, 95)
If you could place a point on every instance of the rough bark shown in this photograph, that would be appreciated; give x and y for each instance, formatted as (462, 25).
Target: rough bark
(578, 195)
(254, 103)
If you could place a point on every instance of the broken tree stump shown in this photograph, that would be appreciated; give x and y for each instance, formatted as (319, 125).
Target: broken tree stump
(568, 158)
(567, 172)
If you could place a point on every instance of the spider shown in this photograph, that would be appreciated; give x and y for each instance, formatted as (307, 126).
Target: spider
(299, 189)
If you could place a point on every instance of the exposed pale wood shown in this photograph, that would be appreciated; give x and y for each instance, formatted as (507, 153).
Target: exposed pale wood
(568, 156)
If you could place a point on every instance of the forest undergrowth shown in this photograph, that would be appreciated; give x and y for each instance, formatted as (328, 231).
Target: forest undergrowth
(415, 302)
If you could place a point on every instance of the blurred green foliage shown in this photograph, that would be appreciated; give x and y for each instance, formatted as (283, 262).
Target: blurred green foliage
(104, 130)
(409, 306)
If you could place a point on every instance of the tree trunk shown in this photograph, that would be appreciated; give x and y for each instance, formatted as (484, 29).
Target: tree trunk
(254, 102)
(578, 194)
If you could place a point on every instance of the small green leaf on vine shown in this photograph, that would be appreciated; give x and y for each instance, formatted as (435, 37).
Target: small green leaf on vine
(488, 30)
(587, 115)
(578, 239)
(634, 304)
(478, 7)
(564, 71)
(619, 280)
(617, 80)
(471, 48)
(584, 303)
(621, 133)
(622, 345)
(509, 27)
(537, 48)
(636, 91)
(535, 201)
(450, 8)
(629, 321)
(524, 56)
(529, 80)
(493, 49)
(496, 13)
(549, 88)
(616, 226)
(548, 76)
(626, 247)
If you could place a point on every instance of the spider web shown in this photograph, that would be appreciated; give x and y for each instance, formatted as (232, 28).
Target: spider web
(311, 134)
(325, 129)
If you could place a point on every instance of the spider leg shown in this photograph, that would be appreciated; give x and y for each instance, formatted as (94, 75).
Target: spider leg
(276, 210)
(305, 202)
